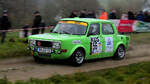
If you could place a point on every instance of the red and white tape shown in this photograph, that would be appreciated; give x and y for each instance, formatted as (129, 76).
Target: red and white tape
(16, 30)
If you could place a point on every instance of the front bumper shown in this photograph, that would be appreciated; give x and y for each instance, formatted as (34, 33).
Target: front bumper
(56, 54)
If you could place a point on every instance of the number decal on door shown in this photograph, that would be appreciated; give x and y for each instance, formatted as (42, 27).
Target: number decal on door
(96, 45)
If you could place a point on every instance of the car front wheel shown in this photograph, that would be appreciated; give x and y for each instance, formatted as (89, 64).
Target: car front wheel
(77, 57)
(37, 59)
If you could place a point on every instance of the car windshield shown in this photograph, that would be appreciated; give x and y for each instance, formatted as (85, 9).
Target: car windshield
(71, 27)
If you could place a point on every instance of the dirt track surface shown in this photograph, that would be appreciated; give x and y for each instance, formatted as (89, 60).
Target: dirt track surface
(25, 68)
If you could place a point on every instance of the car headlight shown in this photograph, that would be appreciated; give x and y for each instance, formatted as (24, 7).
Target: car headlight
(56, 45)
(32, 42)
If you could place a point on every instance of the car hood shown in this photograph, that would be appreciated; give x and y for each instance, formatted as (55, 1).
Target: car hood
(53, 37)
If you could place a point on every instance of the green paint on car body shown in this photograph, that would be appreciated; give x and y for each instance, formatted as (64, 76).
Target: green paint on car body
(67, 37)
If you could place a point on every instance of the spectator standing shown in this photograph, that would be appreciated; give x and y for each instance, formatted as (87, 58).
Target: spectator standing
(5, 24)
(147, 16)
(74, 14)
(25, 30)
(140, 16)
(43, 25)
(36, 22)
(131, 15)
(91, 14)
(112, 15)
(103, 15)
(83, 13)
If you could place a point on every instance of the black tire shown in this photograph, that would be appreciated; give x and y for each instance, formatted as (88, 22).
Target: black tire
(120, 53)
(37, 59)
(77, 57)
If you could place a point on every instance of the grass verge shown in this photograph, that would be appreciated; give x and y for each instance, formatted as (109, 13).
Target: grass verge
(19, 49)
(13, 47)
(140, 38)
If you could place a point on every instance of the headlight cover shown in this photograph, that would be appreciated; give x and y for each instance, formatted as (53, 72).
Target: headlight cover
(32, 42)
(56, 45)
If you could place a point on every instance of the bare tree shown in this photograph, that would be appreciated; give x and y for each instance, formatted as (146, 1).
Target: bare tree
(1, 6)
(147, 5)
(21, 11)
(62, 8)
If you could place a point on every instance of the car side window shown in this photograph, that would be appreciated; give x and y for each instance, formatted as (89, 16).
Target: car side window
(94, 29)
(107, 29)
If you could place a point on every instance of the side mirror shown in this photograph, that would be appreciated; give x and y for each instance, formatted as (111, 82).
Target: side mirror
(89, 34)
(51, 28)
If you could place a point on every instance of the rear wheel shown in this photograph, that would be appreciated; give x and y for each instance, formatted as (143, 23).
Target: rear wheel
(120, 53)
(77, 57)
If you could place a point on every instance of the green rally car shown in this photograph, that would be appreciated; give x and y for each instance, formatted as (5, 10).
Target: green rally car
(79, 39)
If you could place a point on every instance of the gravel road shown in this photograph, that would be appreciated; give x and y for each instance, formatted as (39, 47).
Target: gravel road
(25, 68)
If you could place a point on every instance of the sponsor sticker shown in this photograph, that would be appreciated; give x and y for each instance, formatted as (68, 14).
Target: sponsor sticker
(76, 42)
(75, 22)
(108, 44)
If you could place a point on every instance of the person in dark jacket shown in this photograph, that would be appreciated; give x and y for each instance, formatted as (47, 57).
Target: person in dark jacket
(91, 14)
(74, 14)
(5, 24)
(131, 15)
(140, 16)
(83, 13)
(147, 16)
(43, 25)
(36, 23)
(112, 15)
(25, 30)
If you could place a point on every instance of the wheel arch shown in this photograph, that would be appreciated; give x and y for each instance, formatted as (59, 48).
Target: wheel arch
(81, 48)
(78, 47)
(120, 44)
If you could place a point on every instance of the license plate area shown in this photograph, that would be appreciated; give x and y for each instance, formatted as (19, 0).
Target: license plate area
(44, 50)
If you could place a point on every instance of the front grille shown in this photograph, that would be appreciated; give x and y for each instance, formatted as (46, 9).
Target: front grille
(44, 43)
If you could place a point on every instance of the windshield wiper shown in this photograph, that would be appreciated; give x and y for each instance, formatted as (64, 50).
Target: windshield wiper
(66, 32)
(78, 34)
(54, 32)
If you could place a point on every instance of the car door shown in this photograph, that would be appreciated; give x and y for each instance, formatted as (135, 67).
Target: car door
(108, 39)
(95, 44)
